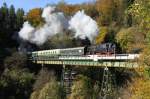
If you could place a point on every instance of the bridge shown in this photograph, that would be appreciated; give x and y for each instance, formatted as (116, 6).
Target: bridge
(117, 60)
(105, 61)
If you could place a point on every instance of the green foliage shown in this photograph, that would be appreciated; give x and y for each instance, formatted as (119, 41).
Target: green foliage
(16, 83)
(10, 24)
(19, 19)
(16, 60)
(147, 72)
(15, 80)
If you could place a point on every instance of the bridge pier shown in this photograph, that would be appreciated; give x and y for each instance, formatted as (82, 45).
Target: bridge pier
(68, 75)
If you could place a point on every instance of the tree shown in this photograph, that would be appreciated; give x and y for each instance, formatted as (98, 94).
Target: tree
(102, 35)
(19, 18)
(130, 39)
(81, 88)
(9, 25)
(34, 17)
(139, 89)
(68, 9)
(145, 59)
(17, 60)
(90, 9)
(46, 86)
(51, 90)
(105, 9)
(12, 18)
(42, 79)
(141, 19)
(141, 16)
(3, 23)
(16, 84)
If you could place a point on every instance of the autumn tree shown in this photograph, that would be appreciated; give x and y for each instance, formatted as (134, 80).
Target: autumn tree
(102, 35)
(46, 86)
(81, 88)
(68, 9)
(34, 17)
(141, 18)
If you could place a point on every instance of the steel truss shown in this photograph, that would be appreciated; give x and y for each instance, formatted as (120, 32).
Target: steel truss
(108, 85)
(68, 76)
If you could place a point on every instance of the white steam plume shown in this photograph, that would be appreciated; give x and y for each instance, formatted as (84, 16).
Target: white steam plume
(27, 31)
(55, 23)
(83, 26)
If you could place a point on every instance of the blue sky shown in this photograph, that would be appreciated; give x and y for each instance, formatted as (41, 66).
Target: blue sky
(29, 4)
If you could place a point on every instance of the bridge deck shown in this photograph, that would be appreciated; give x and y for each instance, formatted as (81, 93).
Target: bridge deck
(119, 60)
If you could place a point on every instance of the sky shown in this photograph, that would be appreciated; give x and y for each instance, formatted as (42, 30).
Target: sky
(29, 4)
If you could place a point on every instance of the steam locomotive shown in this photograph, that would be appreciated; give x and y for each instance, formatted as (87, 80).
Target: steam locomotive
(102, 49)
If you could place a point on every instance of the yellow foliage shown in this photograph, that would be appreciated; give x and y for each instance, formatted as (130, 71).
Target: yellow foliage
(34, 17)
(140, 89)
(101, 36)
(105, 7)
(145, 57)
(51, 90)
(69, 9)
(81, 88)
(130, 38)
(35, 95)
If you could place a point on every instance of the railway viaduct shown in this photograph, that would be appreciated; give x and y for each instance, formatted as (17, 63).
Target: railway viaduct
(117, 61)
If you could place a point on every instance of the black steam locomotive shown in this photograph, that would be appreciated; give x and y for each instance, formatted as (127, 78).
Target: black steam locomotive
(102, 49)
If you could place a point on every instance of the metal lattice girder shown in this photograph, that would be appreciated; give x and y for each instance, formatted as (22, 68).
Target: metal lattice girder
(107, 87)
(127, 64)
(68, 75)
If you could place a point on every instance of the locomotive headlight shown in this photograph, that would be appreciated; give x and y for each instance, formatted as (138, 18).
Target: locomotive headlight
(80, 51)
(95, 58)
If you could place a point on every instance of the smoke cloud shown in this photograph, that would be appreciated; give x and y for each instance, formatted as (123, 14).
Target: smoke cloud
(55, 22)
(83, 26)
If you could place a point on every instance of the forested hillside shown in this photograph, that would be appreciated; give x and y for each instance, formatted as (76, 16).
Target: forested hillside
(123, 22)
